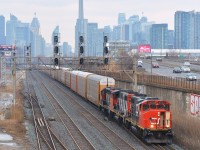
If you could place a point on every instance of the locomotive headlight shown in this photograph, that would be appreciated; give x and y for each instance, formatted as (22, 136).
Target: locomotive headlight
(152, 126)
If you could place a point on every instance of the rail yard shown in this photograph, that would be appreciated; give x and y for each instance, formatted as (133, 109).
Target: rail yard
(64, 120)
(61, 117)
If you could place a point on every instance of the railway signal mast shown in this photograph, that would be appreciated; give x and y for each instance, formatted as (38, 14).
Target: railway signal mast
(105, 50)
(81, 49)
(56, 47)
(27, 55)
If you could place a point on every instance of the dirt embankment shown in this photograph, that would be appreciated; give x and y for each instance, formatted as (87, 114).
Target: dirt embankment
(14, 122)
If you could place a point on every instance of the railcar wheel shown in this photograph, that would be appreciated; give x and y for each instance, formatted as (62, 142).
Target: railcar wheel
(111, 116)
(120, 120)
(106, 112)
(128, 125)
(100, 108)
(144, 134)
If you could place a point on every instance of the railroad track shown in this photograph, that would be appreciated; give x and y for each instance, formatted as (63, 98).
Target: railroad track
(115, 139)
(162, 147)
(79, 139)
(151, 146)
(92, 117)
(43, 131)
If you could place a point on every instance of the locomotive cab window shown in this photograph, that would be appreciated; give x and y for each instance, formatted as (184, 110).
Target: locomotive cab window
(152, 105)
(166, 107)
(160, 106)
(145, 107)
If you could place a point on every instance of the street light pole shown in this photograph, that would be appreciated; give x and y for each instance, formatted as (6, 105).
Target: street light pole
(14, 80)
(151, 63)
(135, 74)
(14, 76)
(162, 43)
(134, 79)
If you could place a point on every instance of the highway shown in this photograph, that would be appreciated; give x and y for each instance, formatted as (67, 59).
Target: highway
(166, 68)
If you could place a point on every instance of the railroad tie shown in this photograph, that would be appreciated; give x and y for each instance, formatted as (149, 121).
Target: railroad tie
(40, 122)
(38, 119)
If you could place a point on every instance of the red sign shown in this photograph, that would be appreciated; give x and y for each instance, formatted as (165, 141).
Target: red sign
(145, 48)
(7, 47)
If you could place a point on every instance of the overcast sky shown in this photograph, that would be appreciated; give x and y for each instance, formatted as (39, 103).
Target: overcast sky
(105, 12)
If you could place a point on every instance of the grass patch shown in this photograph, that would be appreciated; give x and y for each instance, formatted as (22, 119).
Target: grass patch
(15, 116)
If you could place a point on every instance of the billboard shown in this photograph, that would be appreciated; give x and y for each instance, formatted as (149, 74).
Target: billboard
(7, 47)
(144, 48)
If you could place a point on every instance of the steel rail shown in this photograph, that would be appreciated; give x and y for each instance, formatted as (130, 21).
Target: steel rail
(120, 144)
(77, 142)
(75, 101)
(139, 140)
(62, 144)
(42, 116)
(34, 118)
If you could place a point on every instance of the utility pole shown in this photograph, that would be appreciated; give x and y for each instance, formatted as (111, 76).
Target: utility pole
(162, 43)
(151, 63)
(135, 72)
(14, 77)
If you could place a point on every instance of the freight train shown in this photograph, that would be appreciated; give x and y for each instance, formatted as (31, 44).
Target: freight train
(149, 117)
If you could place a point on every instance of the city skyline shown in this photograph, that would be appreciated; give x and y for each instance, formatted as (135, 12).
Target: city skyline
(65, 13)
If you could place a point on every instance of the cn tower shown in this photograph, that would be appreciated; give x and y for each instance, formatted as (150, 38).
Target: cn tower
(81, 14)
(81, 28)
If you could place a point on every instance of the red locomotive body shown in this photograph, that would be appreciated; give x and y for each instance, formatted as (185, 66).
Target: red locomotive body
(153, 121)
(149, 117)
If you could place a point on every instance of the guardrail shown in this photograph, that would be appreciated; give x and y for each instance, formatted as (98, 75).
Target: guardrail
(179, 84)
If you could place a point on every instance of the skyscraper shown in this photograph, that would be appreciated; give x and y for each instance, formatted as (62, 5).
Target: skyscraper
(116, 33)
(11, 30)
(121, 18)
(170, 39)
(92, 39)
(37, 41)
(67, 50)
(197, 31)
(125, 32)
(181, 23)
(146, 28)
(22, 34)
(136, 33)
(99, 42)
(2, 30)
(159, 36)
(131, 21)
(187, 30)
(81, 29)
(35, 25)
(55, 32)
(133, 18)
